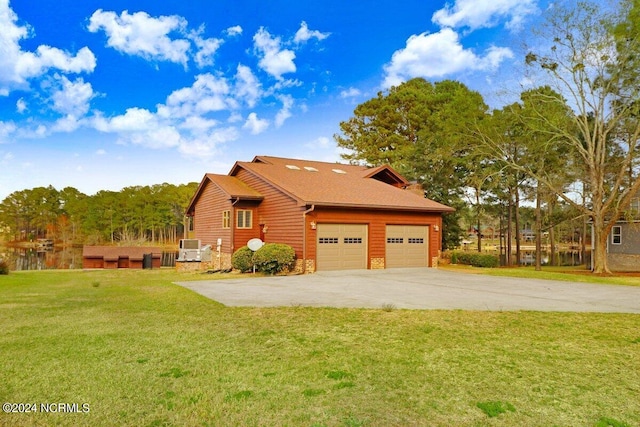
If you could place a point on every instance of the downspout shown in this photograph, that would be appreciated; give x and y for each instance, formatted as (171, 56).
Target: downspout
(304, 237)
(232, 224)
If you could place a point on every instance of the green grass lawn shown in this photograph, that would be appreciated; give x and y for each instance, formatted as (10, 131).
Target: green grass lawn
(570, 274)
(141, 351)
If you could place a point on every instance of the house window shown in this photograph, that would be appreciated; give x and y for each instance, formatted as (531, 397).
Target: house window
(226, 219)
(635, 205)
(616, 235)
(244, 219)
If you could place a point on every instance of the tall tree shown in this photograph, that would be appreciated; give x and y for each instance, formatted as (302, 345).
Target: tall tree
(588, 60)
(420, 129)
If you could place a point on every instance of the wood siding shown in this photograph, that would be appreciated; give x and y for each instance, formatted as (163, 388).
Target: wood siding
(242, 235)
(279, 212)
(377, 222)
(208, 218)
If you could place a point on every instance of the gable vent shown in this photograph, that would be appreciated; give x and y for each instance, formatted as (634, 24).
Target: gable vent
(311, 169)
(293, 167)
(338, 171)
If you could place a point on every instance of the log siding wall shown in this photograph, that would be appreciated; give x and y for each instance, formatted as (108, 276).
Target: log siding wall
(208, 218)
(278, 211)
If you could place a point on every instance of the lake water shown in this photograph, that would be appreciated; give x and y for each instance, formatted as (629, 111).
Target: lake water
(33, 259)
(56, 258)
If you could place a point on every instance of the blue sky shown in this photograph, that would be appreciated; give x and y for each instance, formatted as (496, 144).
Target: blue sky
(102, 95)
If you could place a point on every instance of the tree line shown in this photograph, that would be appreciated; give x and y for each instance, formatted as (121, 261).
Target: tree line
(572, 141)
(133, 215)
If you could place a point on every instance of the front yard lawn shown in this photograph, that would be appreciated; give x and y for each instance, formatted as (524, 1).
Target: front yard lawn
(140, 351)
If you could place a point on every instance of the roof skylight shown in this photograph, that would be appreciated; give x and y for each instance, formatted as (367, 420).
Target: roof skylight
(293, 167)
(311, 169)
(338, 170)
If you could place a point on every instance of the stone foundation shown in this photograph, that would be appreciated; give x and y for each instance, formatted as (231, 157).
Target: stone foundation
(377, 263)
(434, 262)
(300, 264)
(192, 266)
(222, 263)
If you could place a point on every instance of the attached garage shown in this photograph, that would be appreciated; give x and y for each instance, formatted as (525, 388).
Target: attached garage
(407, 246)
(341, 246)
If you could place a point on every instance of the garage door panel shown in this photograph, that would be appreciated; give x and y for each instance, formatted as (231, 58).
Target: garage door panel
(341, 246)
(407, 246)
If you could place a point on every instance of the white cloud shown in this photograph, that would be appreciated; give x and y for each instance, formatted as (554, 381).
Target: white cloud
(21, 105)
(133, 120)
(255, 125)
(72, 98)
(18, 66)
(436, 55)
(101, 152)
(6, 129)
(273, 58)
(476, 14)
(285, 111)
(234, 31)
(247, 87)
(352, 92)
(198, 124)
(181, 123)
(142, 35)
(206, 48)
(304, 34)
(207, 94)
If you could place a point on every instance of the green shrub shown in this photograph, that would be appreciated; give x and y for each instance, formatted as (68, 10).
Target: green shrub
(274, 258)
(476, 259)
(242, 259)
(4, 267)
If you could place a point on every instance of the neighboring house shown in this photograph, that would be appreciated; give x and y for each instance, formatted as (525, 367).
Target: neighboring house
(623, 244)
(335, 216)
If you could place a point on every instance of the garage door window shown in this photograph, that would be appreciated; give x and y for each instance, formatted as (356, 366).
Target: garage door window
(395, 240)
(327, 240)
(353, 240)
(418, 240)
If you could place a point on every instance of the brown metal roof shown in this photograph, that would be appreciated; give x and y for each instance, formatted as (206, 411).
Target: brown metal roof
(230, 185)
(334, 184)
(234, 187)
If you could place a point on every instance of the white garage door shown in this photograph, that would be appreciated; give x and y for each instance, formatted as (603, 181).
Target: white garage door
(341, 246)
(407, 246)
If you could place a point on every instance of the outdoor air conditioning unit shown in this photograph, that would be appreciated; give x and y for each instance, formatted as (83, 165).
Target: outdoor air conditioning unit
(189, 250)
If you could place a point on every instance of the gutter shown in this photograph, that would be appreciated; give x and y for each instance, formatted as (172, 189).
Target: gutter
(304, 237)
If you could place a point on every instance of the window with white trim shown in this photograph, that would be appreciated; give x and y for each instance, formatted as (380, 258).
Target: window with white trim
(616, 235)
(244, 219)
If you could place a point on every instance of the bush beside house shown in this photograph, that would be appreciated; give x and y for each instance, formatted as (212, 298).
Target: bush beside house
(271, 258)
(475, 259)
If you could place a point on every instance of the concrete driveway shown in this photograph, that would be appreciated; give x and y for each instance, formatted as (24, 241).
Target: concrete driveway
(419, 288)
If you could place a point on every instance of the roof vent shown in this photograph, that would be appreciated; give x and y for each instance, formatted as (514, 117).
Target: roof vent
(311, 169)
(293, 167)
(338, 170)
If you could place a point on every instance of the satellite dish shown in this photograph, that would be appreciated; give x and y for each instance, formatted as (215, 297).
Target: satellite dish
(255, 244)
